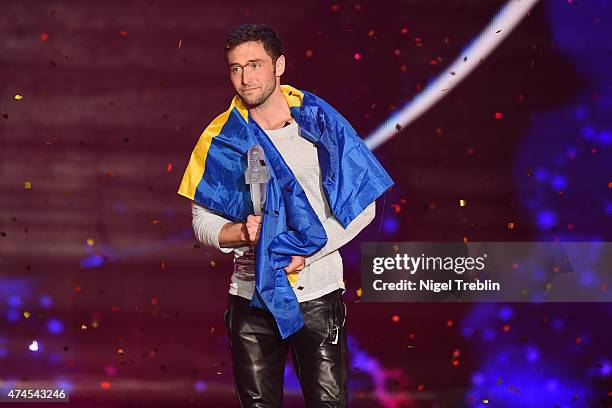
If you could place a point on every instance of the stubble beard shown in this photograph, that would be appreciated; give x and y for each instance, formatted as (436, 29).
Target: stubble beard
(253, 101)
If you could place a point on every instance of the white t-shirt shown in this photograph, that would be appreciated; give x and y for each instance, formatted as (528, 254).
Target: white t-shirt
(323, 272)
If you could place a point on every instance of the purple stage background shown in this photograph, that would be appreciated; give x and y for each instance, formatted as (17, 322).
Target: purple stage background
(98, 262)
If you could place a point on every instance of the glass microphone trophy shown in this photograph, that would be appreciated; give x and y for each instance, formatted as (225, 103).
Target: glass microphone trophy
(256, 176)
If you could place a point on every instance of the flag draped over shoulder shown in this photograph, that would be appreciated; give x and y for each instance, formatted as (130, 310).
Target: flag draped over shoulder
(352, 179)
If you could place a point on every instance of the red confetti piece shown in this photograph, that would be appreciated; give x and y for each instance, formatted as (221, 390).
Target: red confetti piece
(105, 385)
(335, 7)
(123, 33)
(455, 363)
(506, 328)
(404, 30)
(578, 340)
(421, 387)
(371, 33)
(499, 115)
(395, 318)
(120, 351)
(77, 289)
(115, 309)
(357, 56)
(433, 62)
(154, 301)
(44, 37)
(308, 53)
(396, 208)
(169, 168)
(449, 323)
(162, 265)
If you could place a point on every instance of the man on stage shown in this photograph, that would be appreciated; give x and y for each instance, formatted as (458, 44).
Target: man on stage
(321, 194)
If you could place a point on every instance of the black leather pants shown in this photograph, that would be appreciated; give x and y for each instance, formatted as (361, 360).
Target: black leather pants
(319, 352)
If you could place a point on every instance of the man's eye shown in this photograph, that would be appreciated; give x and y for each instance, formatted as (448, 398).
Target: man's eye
(236, 70)
(256, 65)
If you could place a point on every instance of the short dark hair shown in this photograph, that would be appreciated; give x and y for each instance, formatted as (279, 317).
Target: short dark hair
(255, 32)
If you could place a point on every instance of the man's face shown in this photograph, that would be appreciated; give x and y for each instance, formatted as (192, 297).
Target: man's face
(252, 72)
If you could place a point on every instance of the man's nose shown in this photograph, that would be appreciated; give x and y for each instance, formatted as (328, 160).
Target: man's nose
(246, 75)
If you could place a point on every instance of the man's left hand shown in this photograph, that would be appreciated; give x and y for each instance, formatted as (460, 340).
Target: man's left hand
(296, 265)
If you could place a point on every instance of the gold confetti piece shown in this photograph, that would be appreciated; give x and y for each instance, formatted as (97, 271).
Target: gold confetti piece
(120, 351)
(485, 401)
(83, 326)
(510, 225)
(212, 263)
(548, 285)
(26, 314)
(462, 203)
(90, 241)
(359, 292)
(94, 324)
(27, 185)
(19, 97)
(465, 239)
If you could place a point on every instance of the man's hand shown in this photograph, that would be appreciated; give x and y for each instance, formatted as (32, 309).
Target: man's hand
(296, 265)
(253, 226)
(293, 269)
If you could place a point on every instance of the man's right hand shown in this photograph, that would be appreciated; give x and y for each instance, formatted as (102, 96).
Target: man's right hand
(253, 226)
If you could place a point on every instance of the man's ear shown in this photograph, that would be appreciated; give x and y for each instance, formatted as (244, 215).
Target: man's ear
(280, 65)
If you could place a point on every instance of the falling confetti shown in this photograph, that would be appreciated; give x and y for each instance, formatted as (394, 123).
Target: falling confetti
(462, 203)
(169, 167)
(395, 318)
(499, 115)
(19, 97)
(44, 37)
(105, 385)
(120, 351)
(359, 291)
(510, 225)
(33, 346)
(90, 241)
(27, 185)
(26, 314)
(308, 53)
(180, 44)
(357, 56)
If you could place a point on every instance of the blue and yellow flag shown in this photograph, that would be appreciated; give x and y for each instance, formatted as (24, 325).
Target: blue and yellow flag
(352, 179)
